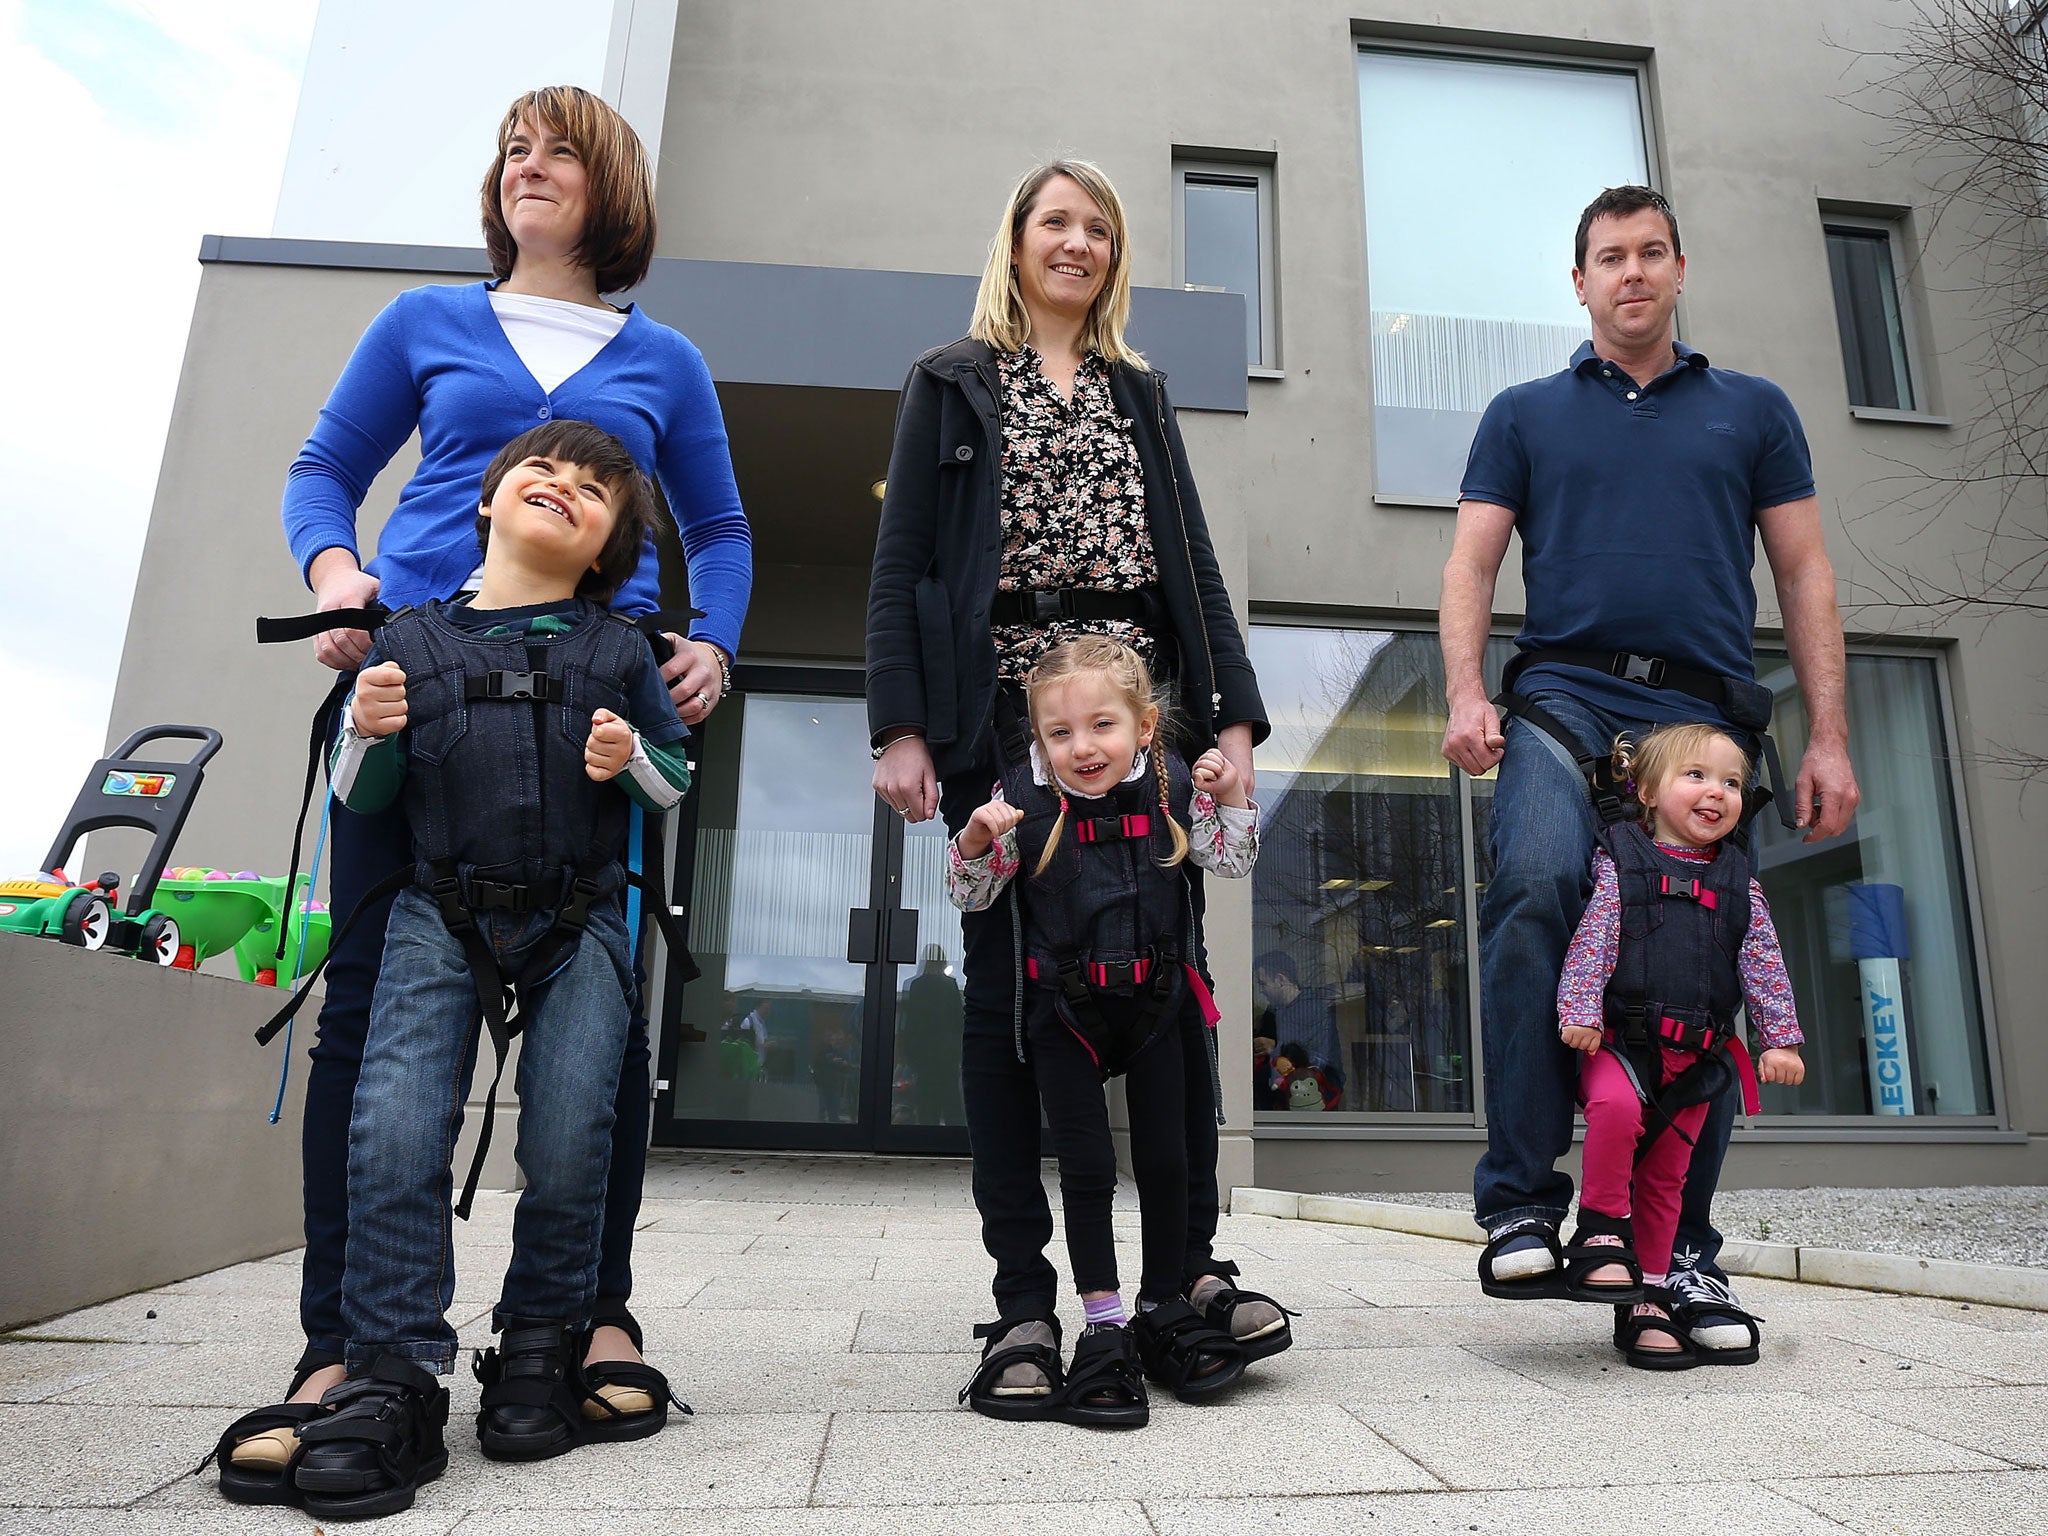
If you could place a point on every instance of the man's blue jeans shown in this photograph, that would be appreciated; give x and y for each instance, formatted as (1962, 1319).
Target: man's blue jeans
(417, 1064)
(1541, 833)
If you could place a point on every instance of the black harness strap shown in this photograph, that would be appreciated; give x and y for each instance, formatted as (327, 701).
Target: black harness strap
(304, 626)
(390, 885)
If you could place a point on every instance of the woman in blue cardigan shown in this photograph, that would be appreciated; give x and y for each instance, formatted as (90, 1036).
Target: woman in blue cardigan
(568, 215)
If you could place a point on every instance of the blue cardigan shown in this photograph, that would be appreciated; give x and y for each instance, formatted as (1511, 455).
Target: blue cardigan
(437, 359)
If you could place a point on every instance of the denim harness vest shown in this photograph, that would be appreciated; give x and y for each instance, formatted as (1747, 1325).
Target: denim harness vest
(1107, 933)
(1677, 981)
(495, 790)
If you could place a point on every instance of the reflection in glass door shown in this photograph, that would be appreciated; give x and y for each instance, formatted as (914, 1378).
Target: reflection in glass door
(819, 1020)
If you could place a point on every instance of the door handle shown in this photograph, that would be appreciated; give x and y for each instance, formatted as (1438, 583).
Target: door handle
(881, 935)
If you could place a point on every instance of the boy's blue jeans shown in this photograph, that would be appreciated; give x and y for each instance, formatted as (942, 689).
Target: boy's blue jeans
(417, 1064)
(1541, 834)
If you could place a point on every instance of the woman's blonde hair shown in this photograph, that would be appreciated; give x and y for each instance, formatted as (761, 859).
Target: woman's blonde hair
(999, 315)
(1645, 765)
(1125, 669)
(618, 228)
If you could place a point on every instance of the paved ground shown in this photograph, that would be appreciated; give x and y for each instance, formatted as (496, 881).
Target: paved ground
(1978, 1224)
(816, 1312)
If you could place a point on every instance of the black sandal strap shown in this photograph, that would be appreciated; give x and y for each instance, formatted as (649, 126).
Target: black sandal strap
(1103, 1363)
(635, 1376)
(997, 1357)
(1173, 1339)
(1537, 1229)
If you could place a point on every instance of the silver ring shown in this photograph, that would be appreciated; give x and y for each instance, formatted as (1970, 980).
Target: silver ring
(903, 811)
(704, 698)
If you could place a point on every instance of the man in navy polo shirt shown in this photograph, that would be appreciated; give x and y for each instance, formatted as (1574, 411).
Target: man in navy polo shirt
(1638, 479)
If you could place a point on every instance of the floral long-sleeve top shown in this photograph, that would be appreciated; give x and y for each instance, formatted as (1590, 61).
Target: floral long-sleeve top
(1589, 963)
(1223, 839)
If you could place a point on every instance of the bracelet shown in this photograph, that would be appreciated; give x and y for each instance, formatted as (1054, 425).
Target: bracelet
(724, 667)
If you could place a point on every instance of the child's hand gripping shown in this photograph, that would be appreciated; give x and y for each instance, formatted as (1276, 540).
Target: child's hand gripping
(1217, 775)
(1581, 1037)
(378, 708)
(609, 747)
(987, 825)
(1781, 1064)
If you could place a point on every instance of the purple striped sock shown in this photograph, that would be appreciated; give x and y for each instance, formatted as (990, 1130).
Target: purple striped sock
(1108, 1309)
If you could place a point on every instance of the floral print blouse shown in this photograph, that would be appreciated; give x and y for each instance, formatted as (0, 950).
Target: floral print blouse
(1073, 504)
(1766, 988)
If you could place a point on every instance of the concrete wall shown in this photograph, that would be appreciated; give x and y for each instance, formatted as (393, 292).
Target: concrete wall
(135, 1148)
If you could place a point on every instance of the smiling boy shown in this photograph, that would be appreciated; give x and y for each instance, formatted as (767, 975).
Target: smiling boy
(516, 725)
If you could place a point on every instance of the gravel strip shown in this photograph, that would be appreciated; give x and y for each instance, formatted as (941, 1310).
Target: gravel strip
(1981, 1224)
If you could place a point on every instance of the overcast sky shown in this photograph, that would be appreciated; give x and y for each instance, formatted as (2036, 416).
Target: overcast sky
(137, 126)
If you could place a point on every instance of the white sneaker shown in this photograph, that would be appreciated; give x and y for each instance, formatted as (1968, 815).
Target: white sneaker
(1702, 1292)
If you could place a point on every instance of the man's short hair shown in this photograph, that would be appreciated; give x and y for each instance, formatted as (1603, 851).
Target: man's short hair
(633, 504)
(1619, 203)
(1277, 962)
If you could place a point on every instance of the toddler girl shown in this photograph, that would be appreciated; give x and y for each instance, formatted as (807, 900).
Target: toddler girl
(1676, 937)
(1100, 821)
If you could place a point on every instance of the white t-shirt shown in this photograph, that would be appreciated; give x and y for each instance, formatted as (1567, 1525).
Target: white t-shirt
(554, 337)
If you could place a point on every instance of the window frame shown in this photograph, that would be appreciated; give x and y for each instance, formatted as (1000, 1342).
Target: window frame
(1893, 228)
(1259, 171)
(1404, 1125)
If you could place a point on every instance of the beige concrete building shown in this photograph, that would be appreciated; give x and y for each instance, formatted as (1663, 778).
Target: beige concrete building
(1392, 188)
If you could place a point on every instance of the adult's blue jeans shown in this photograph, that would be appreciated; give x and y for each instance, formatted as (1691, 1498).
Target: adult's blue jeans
(417, 1065)
(1541, 832)
(361, 851)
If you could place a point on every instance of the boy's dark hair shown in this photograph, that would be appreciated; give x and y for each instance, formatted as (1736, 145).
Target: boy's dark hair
(1619, 203)
(578, 442)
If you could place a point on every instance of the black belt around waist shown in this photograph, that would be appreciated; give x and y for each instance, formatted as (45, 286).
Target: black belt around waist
(1049, 605)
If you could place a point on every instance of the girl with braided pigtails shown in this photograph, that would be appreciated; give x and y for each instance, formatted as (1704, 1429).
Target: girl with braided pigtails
(1675, 938)
(1096, 828)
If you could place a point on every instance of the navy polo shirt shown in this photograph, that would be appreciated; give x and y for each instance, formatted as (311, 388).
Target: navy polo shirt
(1636, 505)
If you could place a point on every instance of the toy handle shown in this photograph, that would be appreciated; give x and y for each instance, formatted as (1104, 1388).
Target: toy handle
(200, 733)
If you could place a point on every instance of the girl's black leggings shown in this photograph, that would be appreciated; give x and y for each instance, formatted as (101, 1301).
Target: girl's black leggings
(1156, 1093)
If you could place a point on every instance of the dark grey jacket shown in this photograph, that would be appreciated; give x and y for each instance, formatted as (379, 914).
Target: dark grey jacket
(938, 556)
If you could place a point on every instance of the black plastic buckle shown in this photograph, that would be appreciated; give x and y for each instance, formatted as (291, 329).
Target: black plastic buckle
(447, 893)
(1050, 603)
(576, 907)
(1688, 890)
(501, 895)
(1632, 668)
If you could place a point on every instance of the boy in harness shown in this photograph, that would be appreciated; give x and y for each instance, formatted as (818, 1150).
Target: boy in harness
(1675, 938)
(516, 726)
(1095, 825)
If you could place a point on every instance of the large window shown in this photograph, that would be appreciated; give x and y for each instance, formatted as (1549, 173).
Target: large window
(1476, 171)
(1374, 855)
(1876, 923)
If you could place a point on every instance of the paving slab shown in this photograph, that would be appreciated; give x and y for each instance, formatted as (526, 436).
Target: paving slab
(1980, 1504)
(1186, 1451)
(1793, 1434)
(1730, 1509)
(2009, 1423)
(816, 1310)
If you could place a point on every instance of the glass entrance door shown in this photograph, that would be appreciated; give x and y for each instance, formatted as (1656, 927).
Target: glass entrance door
(827, 1012)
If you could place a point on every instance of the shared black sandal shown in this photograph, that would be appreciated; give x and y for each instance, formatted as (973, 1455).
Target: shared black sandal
(1264, 1344)
(1105, 1387)
(378, 1440)
(1630, 1326)
(1582, 1258)
(1017, 1404)
(1186, 1354)
(532, 1403)
(260, 1483)
(1706, 1302)
(603, 1419)
(1547, 1286)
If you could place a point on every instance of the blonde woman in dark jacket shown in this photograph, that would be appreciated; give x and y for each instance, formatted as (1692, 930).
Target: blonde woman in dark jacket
(1038, 489)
